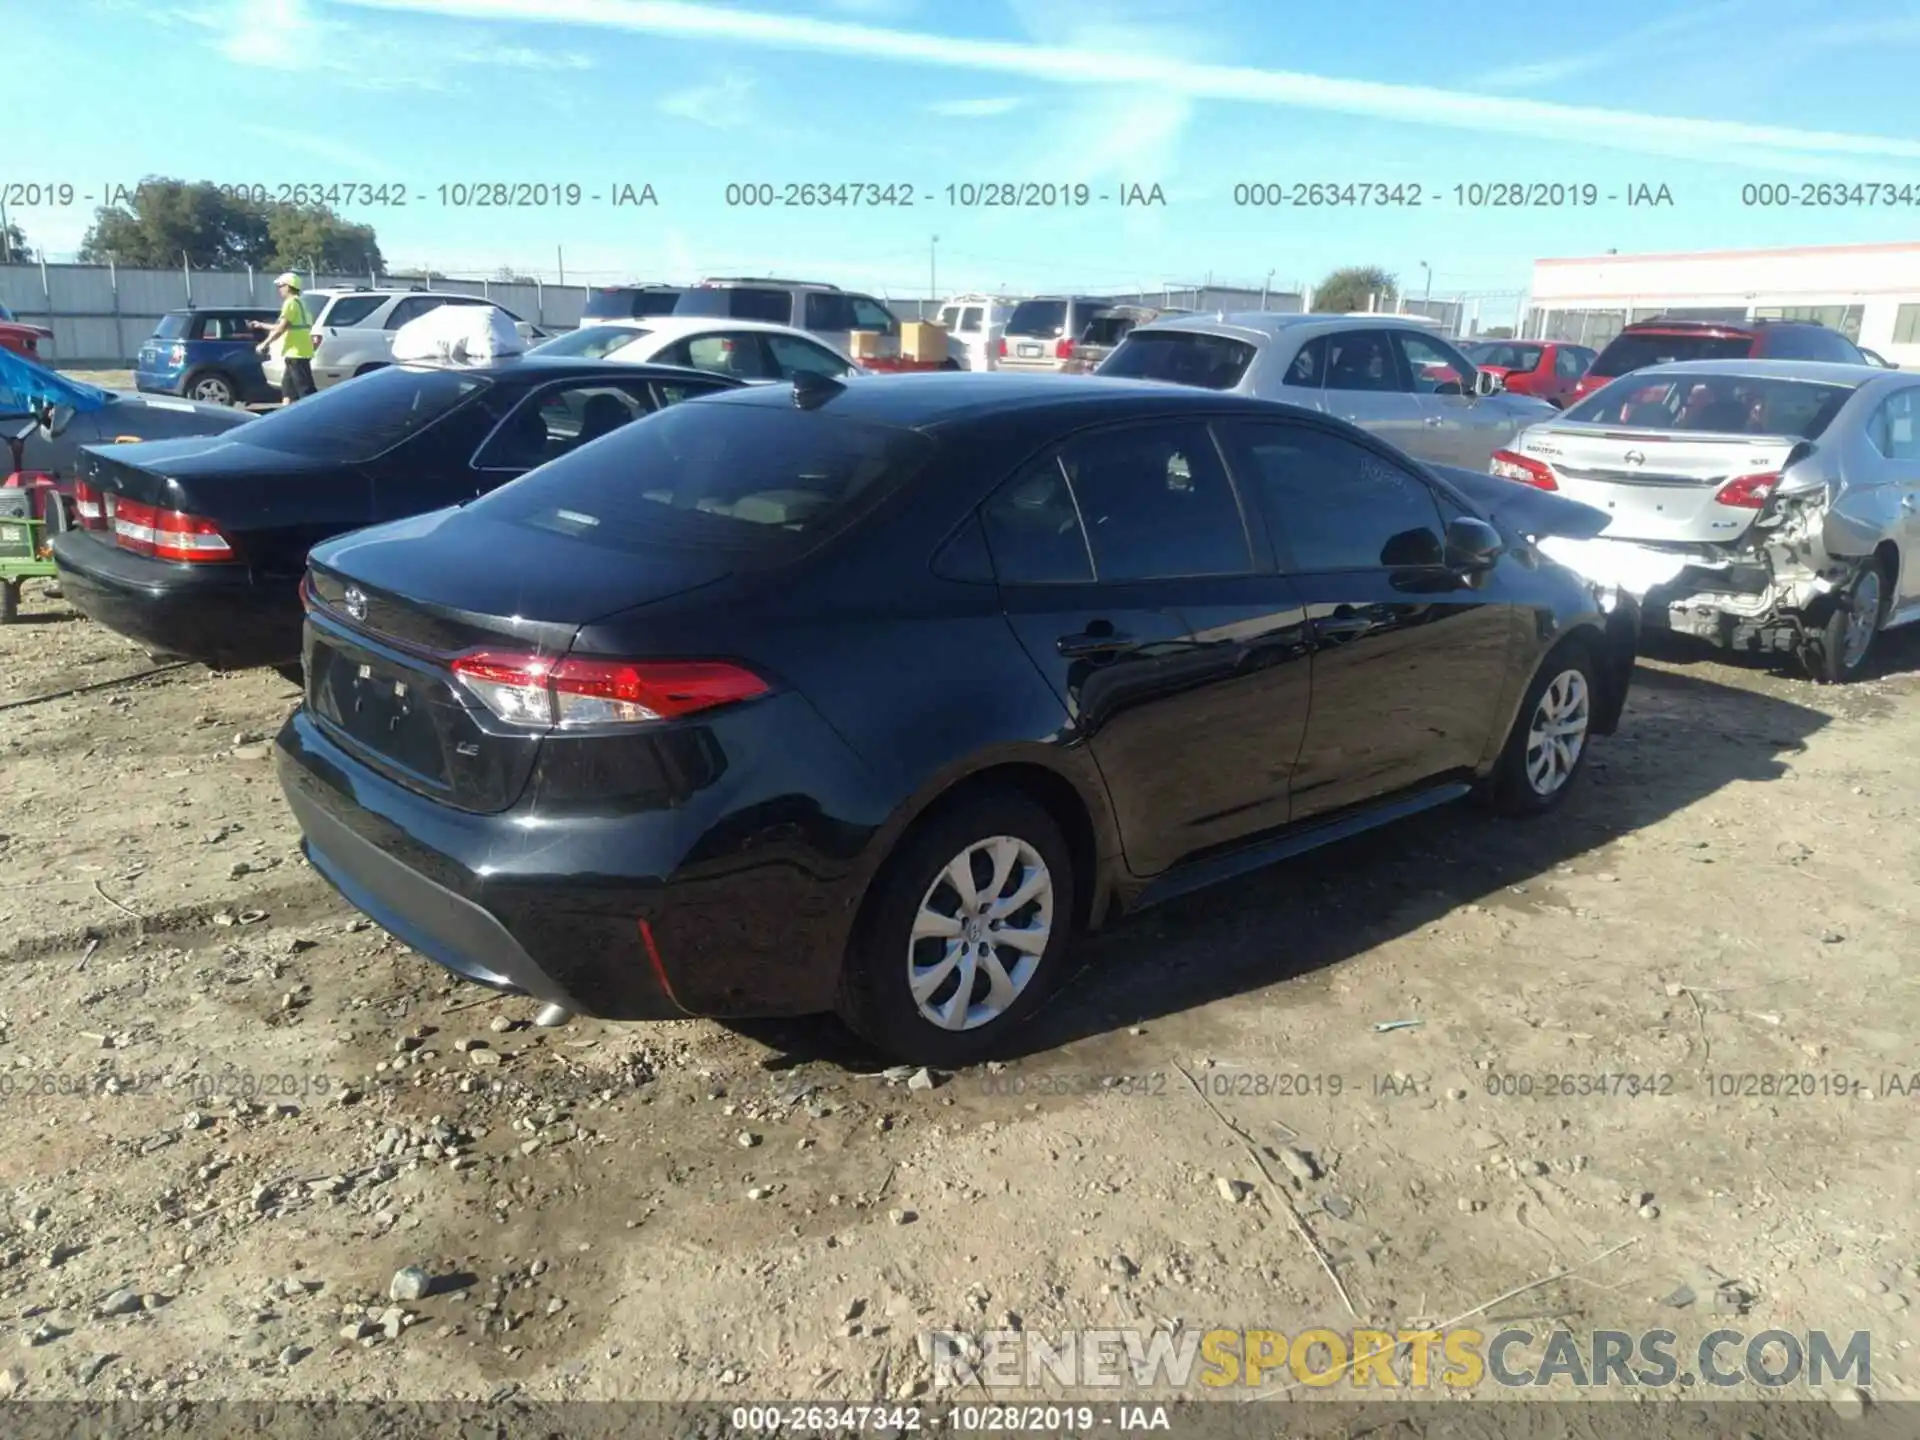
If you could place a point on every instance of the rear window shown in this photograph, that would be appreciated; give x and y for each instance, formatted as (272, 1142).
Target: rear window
(1046, 319)
(1108, 328)
(367, 418)
(1180, 357)
(754, 478)
(348, 309)
(171, 327)
(741, 302)
(1635, 352)
(1505, 357)
(620, 303)
(1715, 405)
(591, 343)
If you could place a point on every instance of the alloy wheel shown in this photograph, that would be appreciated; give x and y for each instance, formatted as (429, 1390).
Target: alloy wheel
(979, 933)
(1557, 732)
(211, 390)
(1863, 619)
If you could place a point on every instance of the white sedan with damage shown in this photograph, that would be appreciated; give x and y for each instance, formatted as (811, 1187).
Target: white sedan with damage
(1765, 505)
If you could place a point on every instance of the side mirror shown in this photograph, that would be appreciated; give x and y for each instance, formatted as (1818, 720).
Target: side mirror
(1485, 382)
(1448, 387)
(1472, 544)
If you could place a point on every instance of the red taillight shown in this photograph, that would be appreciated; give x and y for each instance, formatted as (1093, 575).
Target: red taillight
(86, 502)
(306, 594)
(1748, 492)
(1063, 349)
(177, 355)
(1510, 466)
(167, 534)
(529, 690)
(1000, 347)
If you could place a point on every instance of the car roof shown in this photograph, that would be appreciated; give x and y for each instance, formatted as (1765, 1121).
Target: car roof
(1830, 372)
(534, 367)
(682, 324)
(926, 401)
(1258, 325)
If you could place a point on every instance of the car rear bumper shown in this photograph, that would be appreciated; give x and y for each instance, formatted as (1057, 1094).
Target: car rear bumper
(700, 909)
(160, 382)
(216, 614)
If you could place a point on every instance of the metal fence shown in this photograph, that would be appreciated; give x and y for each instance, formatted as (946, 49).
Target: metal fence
(101, 314)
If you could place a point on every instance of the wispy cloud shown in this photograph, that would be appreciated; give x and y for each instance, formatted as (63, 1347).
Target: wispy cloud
(976, 109)
(1738, 142)
(522, 57)
(723, 104)
(281, 34)
(1654, 38)
(302, 142)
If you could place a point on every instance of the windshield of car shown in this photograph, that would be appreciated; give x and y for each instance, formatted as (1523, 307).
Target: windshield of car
(1504, 356)
(352, 423)
(591, 343)
(1715, 404)
(1182, 357)
(171, 327)
(755, 478)
(1046, 319)
(1636, 351)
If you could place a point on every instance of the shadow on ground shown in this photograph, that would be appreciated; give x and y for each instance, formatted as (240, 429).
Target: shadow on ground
(1681, 740)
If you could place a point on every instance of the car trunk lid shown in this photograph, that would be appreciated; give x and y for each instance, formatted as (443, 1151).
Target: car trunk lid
(389, 617)
(1656, 485)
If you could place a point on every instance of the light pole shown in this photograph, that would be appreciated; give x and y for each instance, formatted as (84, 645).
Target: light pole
(1426, 293)
(933, 279)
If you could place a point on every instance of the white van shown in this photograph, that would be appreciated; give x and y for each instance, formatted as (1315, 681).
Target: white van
(974, 325)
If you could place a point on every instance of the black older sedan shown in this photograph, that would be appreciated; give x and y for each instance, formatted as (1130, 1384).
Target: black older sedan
(864, 697)
(196, 547)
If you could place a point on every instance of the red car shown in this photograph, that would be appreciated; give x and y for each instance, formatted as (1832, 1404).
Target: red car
(1662, 342)
(1549, 369)
(20, 337)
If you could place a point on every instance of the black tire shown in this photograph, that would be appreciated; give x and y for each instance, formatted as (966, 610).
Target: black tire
(220, 387)
(875, 998)
(1826, 656)
(9, 602)
(1511, 788)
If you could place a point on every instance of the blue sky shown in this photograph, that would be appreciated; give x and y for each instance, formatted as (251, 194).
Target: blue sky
(1195, 95)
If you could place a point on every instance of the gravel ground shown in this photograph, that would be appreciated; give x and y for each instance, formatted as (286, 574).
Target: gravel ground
(235, 1109)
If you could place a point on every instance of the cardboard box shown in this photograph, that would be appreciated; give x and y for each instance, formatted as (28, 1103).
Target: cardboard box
(923, 340)
(867, 345)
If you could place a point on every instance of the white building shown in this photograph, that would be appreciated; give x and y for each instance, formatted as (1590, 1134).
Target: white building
(1871, 293)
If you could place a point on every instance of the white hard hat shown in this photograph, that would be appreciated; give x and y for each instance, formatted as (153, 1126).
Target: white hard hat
(288, 279)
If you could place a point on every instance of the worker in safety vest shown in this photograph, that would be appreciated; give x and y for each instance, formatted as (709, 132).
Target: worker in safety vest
(295, 325)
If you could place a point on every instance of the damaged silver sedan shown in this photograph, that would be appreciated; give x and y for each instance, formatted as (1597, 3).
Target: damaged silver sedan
(1769, 506)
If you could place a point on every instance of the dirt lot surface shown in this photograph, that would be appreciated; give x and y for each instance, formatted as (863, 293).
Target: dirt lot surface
(234, 1109)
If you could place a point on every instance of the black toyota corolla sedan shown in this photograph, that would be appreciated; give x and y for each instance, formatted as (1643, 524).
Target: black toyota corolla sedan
(196, 547)
(864, 697)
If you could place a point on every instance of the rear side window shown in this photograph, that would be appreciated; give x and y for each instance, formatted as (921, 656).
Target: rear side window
(1809, 342)
(1630, 352)
(356, 422)
(828, 311)
(764, 480)
(1896, 429)
(350, 309)
(1505, 356)
(1569, 363)
(558, 419)
(870, 314)
(171, 327)
(738, 356)
(970, 317)
(1042, 319)
(1180, 357)
(1156, 503)
(738, 302)
(1034, 531)
(1337, 504)
(622, 303)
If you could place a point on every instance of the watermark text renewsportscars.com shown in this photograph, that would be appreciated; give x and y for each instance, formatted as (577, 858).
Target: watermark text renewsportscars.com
(1412, 1360)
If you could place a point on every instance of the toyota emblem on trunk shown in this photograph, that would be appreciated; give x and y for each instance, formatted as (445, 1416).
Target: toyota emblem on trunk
(355, 602)
(1633, 457)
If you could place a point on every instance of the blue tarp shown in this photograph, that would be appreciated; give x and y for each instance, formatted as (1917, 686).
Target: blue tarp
(22, 382)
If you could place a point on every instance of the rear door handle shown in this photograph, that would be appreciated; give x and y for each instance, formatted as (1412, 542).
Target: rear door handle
(1074, 647)
(1340, 625)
